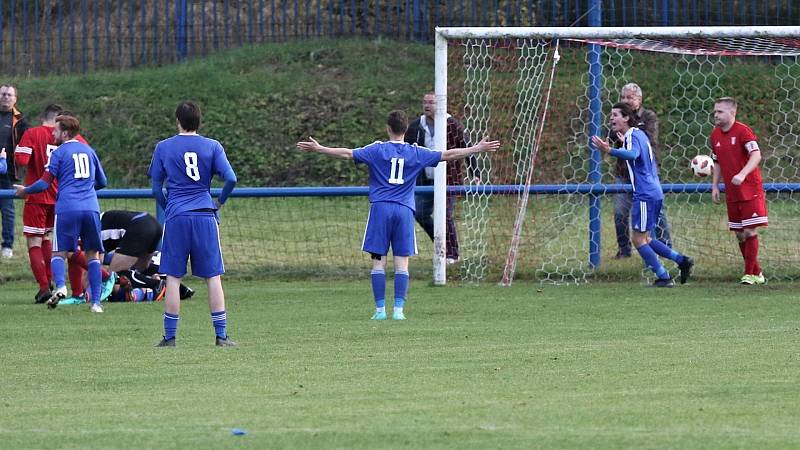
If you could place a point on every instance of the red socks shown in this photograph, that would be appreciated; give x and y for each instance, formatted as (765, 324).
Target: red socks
(39, 268)
(47, 255)
(751, 265)
(77, 264)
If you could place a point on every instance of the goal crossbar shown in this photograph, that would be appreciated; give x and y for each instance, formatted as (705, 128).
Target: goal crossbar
(617, 33)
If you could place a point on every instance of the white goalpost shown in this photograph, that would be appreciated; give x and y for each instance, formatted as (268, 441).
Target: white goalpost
(542, 207)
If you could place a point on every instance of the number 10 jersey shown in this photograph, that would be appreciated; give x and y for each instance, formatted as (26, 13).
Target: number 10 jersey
(77, 168)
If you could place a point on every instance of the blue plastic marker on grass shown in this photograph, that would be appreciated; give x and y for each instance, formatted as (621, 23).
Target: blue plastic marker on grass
(238, 432)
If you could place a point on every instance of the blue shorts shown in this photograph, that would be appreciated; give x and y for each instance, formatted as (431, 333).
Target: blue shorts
(644, 214)
(71, 225)
(390, 224)
(192, 236)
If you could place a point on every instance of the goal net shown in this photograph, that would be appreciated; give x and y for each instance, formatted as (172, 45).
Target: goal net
(543, 206)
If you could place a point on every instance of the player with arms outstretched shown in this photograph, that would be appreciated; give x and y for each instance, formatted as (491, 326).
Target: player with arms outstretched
(735, 149)
(393, 169)
(186, 163)
(77, 169)
(647, 193)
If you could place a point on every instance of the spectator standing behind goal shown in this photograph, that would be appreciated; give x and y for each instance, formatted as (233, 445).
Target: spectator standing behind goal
(734, 147)
(12, 127)
(421, 132)
(647, 194)
(32, 156)
(647, 121)
(393, 169)
(79, 174)
(187, 162)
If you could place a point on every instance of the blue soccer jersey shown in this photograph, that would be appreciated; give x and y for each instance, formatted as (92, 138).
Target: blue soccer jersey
(393, 169)
(77, 168)
(188, 162)
(642, 166)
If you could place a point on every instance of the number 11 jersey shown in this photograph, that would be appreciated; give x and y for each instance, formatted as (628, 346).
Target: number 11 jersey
(188, 162)
(393, 169)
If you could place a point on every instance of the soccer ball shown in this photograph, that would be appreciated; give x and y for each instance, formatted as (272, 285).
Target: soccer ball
(702, 165)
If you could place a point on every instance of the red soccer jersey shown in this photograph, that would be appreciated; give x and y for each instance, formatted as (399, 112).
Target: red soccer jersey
(731, 150)
(33, 152)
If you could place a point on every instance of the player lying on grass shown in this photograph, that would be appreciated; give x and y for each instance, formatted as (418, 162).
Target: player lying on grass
(647, 193)
(130, 239)
(393, 169)
(145, 279)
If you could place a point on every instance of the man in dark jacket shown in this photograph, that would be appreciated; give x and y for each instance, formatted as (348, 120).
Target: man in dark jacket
(12, 126)
(647, 121)
(421, 132)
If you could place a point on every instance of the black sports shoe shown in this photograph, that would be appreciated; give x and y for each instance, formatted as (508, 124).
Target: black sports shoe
(42, 296)
(185, 292)
(686, 269)
(225, 342)
(659, 283)
(166, 342)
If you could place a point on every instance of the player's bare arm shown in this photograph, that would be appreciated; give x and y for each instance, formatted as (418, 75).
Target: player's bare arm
(485, 145)
(22, 169)
(311, 145)
(752, 163)
(715, 183)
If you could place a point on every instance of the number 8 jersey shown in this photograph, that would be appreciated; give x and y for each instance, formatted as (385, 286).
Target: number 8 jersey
(393, 169)
(188, 162)
(77, 168)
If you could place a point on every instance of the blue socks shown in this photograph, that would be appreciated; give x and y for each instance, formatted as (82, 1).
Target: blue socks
(218, 319)
(95, 280)
(651, 259)
(57, 268)
(170, 325)
(400, 288)
(379, 288)
(662, 250)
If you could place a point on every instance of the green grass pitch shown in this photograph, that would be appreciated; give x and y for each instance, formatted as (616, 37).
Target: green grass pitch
(603, 365)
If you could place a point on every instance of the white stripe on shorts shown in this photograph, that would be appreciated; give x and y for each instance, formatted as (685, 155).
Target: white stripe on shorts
(54, 239)
(643, 216)
(364, 238)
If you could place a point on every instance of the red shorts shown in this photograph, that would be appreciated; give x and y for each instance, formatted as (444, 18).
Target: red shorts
(38, 219)
(747, 214)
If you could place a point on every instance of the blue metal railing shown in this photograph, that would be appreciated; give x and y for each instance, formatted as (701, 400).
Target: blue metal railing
(599, 189)
(81, 35)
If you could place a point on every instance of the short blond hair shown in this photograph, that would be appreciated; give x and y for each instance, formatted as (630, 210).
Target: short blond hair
(728, 100)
